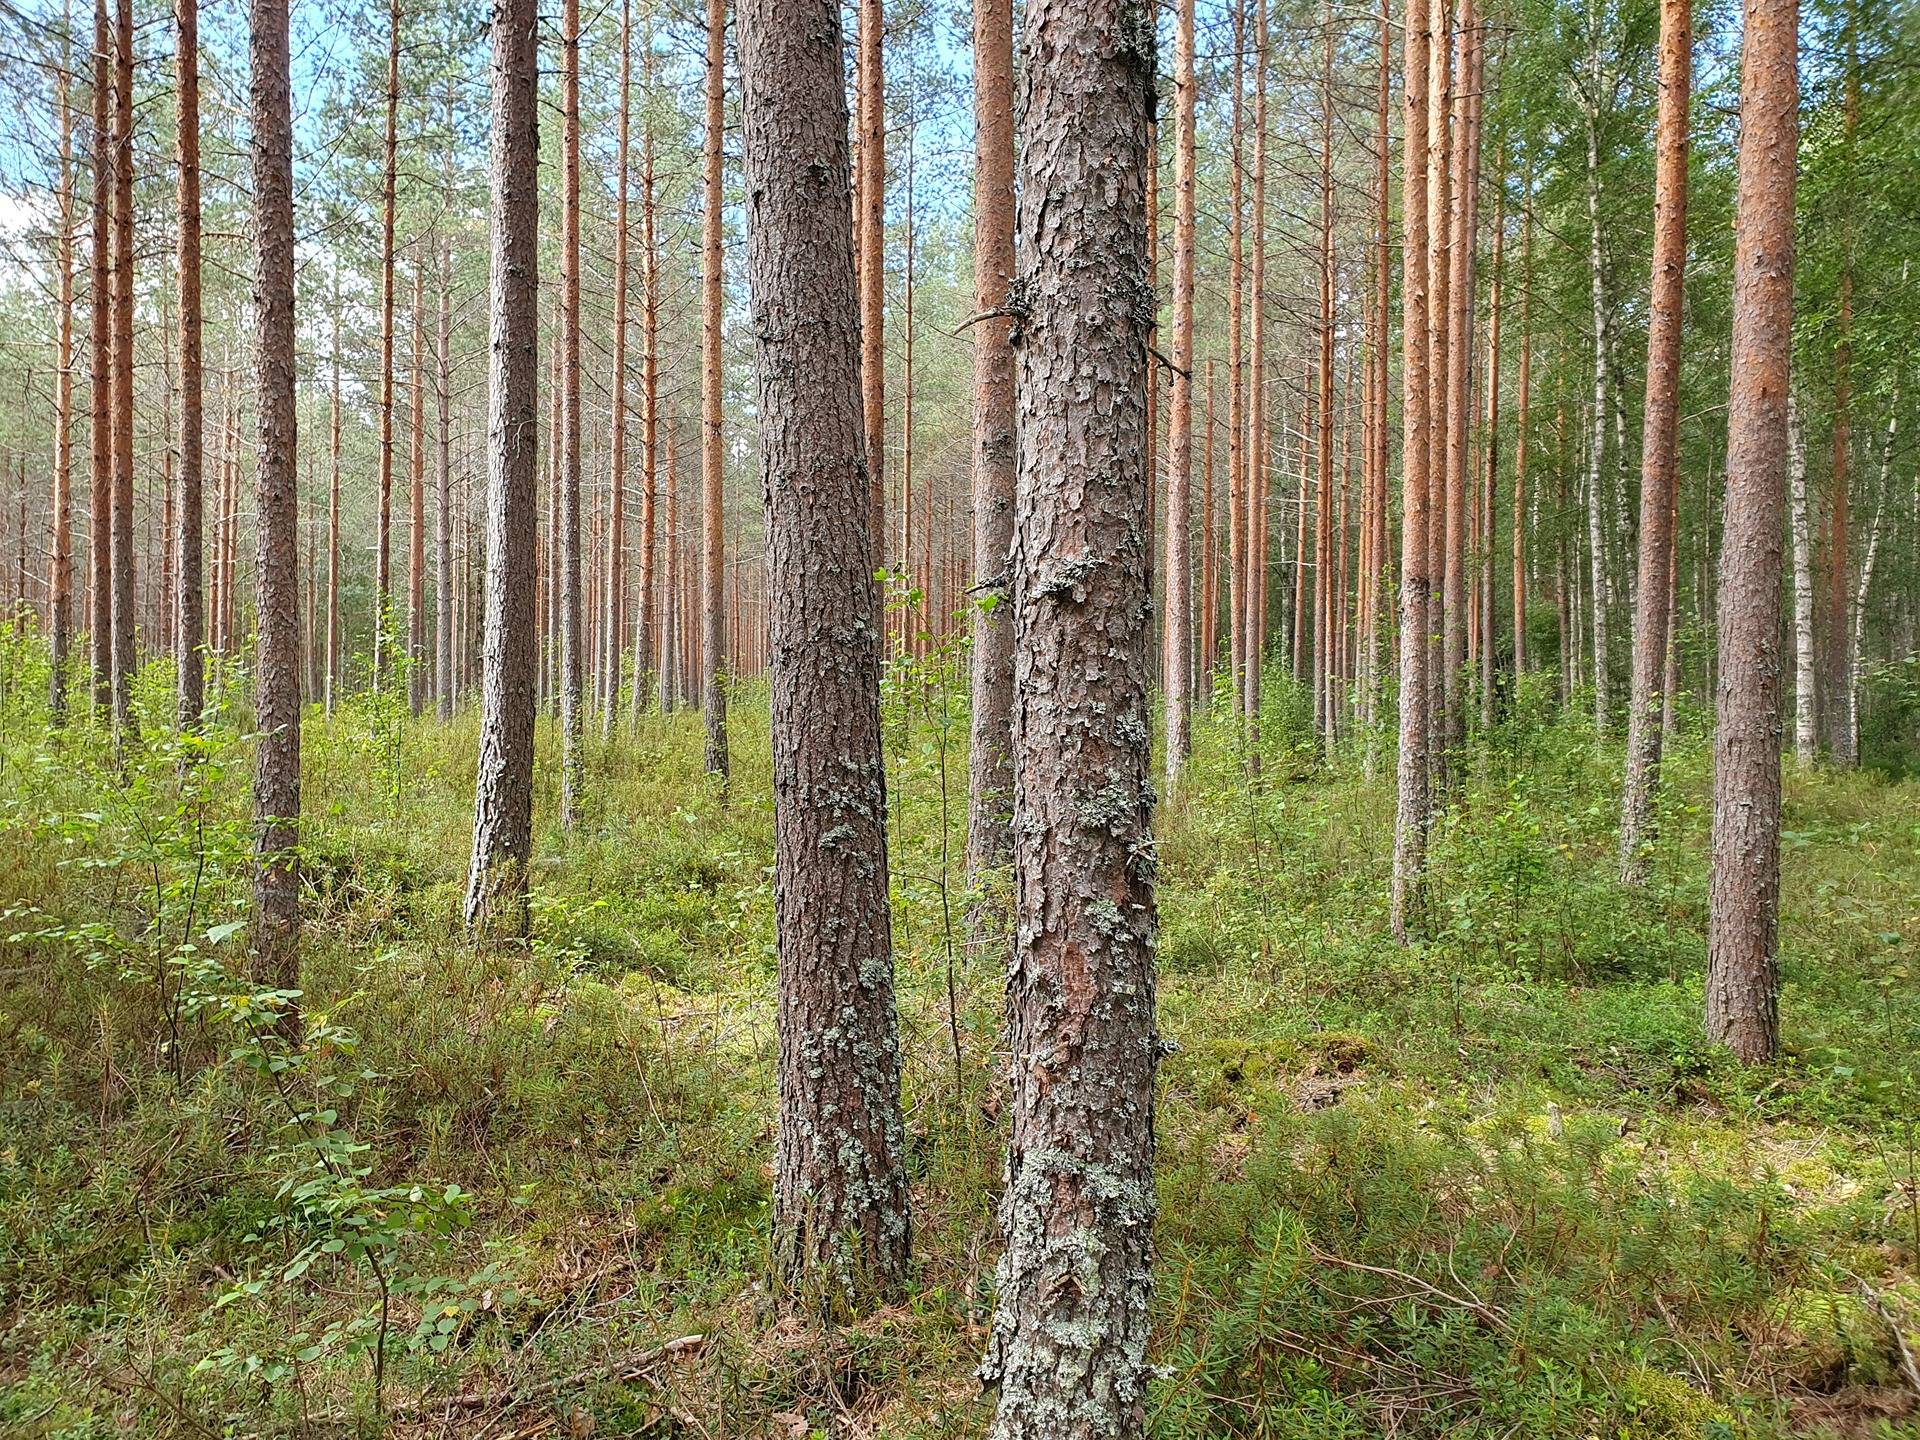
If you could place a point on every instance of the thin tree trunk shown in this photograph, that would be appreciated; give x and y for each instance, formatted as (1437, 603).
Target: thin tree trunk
(1806, 694)
(1490, 484)
(1375, 570)
(1838, 689)
(443, 499)
(1596, 454)
(990, 775)
(100, 346)
(841, 1231)
(712, 494)
(1069, 1347)
(190, 618)
(120, 558)
(1523, 400)
(1463, 227)
(1658, 458)
(1255, 451)
(276, 782)
(1410, 826)
(1323, 589)
(871, 199)
(1176, 666)
(383, 542)
(1744, 890)
(417, 503)
(333, 510)
(644, 651)
(503, 794)
(572, 697)
(616, 629)
(1237, 467)
(60, 562)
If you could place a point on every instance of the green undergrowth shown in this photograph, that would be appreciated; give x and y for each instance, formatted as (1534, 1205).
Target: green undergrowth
(1492, 1185)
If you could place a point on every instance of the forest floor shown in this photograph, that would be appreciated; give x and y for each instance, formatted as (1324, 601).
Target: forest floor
(1493, 1186)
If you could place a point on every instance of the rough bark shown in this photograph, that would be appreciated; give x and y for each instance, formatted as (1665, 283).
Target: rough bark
(712, 441)
(503, 793)
(1658, 458)
(1069, 1345)
(1744, 888)
(1411, 820)
(990, 773)
(276, 778)
(841, 1228)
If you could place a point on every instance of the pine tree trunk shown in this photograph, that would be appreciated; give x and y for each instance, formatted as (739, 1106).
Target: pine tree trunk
(1254, 452)
(1375, 571)
(840, 1228)
(1463, 227)
(712, 440)
(60, 561)
(1744, 889)
(1178, 642)
(417, 504)
(1411, 820)
(1522, 401)
(1069, 1345)
(383, 540)
(990, 774)
(443, 644)
(276, 781)
(100, 371)
(503, 793)
(572, 578)
(120, 555)
(1658, 458)
(645, 652)
(616, 629)
(332, 678)
(1237, 466)
(188, 513)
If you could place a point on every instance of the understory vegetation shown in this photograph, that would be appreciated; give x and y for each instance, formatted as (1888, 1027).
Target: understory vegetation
(1495, 1185)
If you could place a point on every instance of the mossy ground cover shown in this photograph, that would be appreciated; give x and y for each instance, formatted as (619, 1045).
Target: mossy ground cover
(1494, 1185)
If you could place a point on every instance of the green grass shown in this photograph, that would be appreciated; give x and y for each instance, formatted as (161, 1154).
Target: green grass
(1494, 1186)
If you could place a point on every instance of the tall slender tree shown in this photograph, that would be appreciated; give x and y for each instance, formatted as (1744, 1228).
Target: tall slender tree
(1412, 818)
(615, 629)
(1069, 1346)
(503, 793)
(712, 417)
(990, 774)
(121, 617)
(190, 620)
(1744, 889)
(1178, 638)
(276, 779)
(383, 539)
(100, 369)
(1658, 460)
(60, 560)
(572, 578)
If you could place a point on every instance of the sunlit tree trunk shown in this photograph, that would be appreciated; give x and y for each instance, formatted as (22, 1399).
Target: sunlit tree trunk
(1744, 889)
(443, 646)
(1806, 693)
(1602, 590)
(1521, 418)
(417, 502)
(615, 629)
